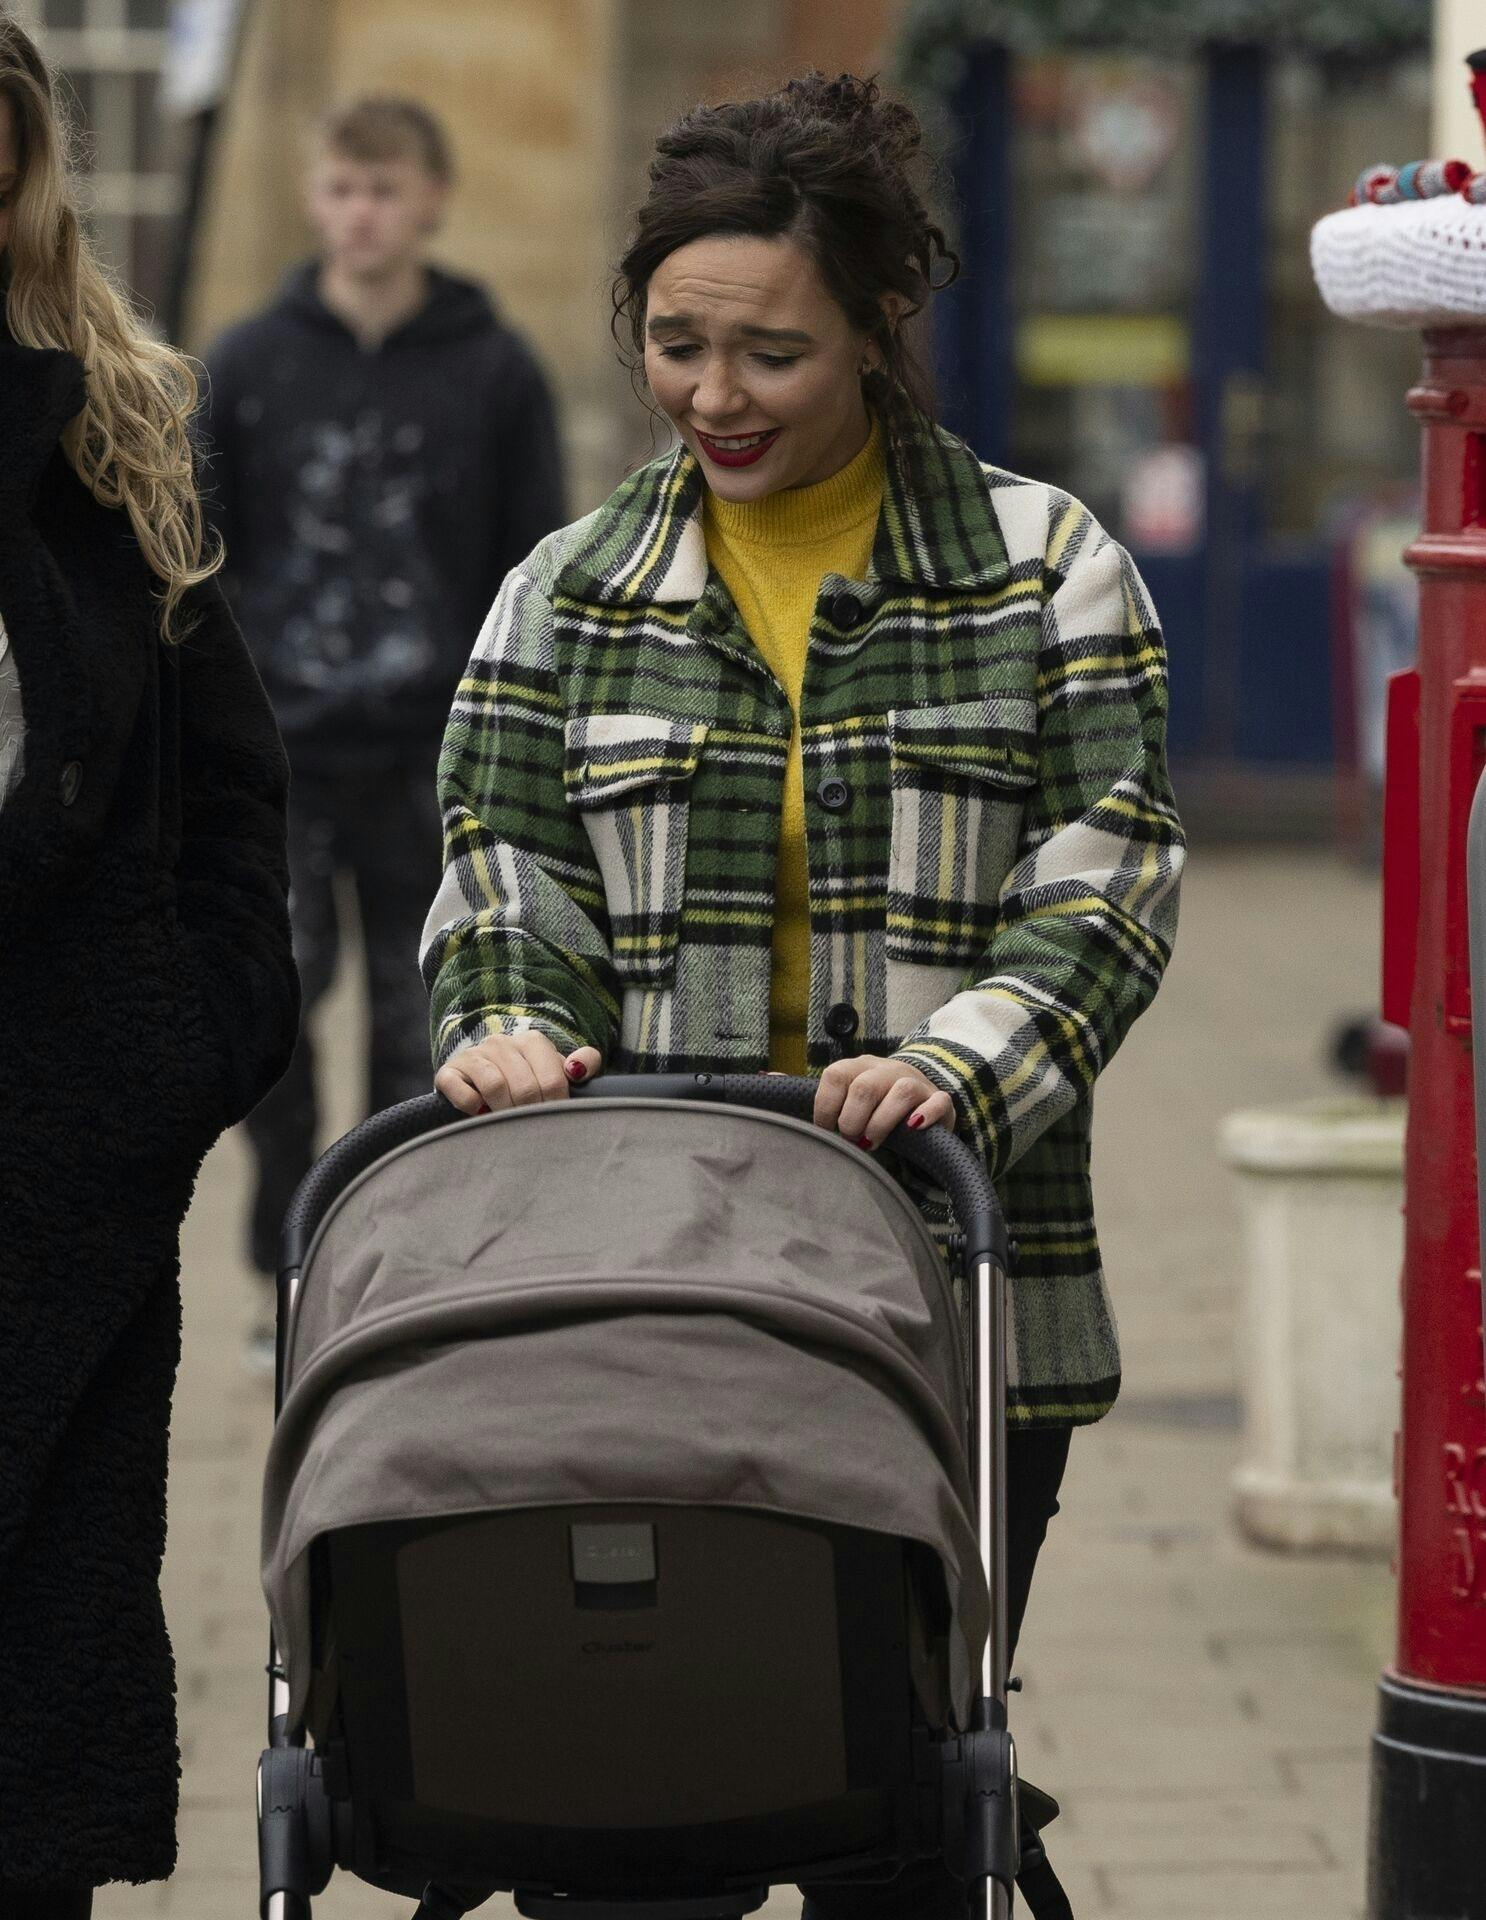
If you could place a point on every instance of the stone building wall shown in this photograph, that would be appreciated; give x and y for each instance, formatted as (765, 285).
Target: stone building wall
(525, 88)
(253, 226)
(553, 107)
(530, 110)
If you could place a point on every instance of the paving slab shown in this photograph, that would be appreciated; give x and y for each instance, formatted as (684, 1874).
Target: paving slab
(1197, 1894)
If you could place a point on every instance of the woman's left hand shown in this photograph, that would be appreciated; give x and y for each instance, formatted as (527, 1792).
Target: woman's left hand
(866, 1097)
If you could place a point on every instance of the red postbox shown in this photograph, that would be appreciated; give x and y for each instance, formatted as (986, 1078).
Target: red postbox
(1411, 251)
(1428, 1851)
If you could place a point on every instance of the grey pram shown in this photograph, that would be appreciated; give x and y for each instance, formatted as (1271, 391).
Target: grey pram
(636, 1475)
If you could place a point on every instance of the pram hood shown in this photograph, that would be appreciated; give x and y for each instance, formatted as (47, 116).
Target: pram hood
(624, 1301)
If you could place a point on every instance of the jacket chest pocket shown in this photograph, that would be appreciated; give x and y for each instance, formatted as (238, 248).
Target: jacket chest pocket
(629, 775)
(960, 778)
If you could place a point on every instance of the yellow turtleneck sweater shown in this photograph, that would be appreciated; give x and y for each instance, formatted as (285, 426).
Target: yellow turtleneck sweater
(771, 555)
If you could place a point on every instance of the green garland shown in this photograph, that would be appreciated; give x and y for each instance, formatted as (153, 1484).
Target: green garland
(935, 34)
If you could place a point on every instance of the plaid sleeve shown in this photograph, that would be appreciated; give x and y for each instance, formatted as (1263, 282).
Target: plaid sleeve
(517, 937)
(1087, 915)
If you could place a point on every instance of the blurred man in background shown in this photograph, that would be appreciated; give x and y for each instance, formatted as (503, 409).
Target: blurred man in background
(382, 450)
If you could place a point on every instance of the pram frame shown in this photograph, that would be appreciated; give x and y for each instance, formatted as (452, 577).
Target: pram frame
(296, 1852)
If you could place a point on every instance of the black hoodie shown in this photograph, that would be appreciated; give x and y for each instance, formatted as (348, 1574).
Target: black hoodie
(371, 503)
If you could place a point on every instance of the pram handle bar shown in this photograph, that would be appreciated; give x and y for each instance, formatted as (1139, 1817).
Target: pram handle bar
(351, 1155)
(935, 1152)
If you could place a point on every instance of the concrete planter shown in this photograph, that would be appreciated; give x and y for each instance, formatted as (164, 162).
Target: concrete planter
(1319, 1334)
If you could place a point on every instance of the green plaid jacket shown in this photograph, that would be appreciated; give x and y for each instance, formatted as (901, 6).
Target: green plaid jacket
(995, 901)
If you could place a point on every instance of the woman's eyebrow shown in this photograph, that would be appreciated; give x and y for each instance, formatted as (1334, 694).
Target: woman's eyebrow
(685, 323)
(787, 336)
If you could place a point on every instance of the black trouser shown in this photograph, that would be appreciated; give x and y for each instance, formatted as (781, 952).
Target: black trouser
(382, 828)
(21, 1902)
(1035, 1459)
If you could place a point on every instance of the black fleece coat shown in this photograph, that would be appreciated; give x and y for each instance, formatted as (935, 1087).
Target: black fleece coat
(147, 1000)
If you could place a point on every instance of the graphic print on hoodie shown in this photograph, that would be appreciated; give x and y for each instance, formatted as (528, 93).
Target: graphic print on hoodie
(355, 602)
(371, 502)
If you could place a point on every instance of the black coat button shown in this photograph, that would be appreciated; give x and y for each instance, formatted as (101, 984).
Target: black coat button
(834, 794)
(842, 1021)
(72, 779)
(846, 611)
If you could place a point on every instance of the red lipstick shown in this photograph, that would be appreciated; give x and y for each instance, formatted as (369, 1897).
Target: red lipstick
(737, 456)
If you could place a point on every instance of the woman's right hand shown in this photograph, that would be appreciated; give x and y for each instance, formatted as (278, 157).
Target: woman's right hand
(513, 1070)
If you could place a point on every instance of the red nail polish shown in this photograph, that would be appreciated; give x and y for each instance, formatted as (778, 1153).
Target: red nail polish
(865, 1142)
(574, 1069)
(915, 1119)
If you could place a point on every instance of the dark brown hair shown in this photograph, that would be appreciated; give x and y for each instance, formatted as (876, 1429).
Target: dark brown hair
(828, 163)
(387, 127)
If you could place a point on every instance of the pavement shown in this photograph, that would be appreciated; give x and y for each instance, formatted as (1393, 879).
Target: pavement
(1201, 1707)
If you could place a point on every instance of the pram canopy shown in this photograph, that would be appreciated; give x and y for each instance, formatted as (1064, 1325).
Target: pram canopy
(621, 1301)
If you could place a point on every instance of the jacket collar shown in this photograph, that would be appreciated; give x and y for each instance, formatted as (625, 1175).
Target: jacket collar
(937, 528)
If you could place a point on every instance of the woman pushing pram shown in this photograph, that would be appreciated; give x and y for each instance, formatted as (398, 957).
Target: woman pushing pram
(819, 748)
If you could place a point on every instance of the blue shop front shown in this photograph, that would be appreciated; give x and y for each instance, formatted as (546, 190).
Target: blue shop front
(1137, 322)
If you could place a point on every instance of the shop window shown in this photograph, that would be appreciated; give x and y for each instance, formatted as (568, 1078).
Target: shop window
(1335, 429)
(1104, 253)
(109, 54)
(1106, 205)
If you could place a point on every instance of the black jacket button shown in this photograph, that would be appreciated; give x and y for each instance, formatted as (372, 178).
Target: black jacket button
(834, 794)
(72, 779)
(846, 611)
(842, 1020)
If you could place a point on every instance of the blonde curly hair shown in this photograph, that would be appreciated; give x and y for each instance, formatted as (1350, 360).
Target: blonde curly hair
(131, 444)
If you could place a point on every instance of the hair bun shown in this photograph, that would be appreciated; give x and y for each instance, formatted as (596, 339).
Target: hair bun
(851, 102)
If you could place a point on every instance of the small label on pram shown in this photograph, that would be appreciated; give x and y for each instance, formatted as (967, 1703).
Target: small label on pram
(609, 1555)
